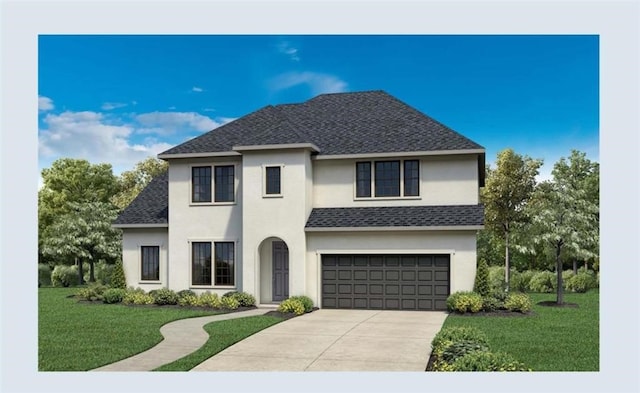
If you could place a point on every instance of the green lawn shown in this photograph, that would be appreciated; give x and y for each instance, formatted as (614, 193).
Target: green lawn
(80, 336)
(554, 339)
(222, 334)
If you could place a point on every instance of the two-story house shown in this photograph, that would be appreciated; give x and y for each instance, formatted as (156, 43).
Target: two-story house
(356, 200)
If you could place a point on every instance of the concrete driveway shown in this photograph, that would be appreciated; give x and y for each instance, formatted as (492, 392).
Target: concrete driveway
(336, 340)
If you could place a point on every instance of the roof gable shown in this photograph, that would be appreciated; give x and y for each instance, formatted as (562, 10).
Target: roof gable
(150, 207)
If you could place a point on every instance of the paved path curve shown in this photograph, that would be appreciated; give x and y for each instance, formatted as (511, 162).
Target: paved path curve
(181, 338)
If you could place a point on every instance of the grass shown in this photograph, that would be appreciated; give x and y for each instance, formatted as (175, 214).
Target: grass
(222, 334)
(554, 339)
(76, 336)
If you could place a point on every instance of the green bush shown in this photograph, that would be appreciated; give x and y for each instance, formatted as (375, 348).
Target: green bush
(92, 292)
(566, 276)
(113, 295)
(460, 348)
(307, 303)
(64, 276)
(464, 301)
(102, 272)
(164, 296)
(490, 303)
(186, 292)
(517, 301)
(496, 279)
(244, 299)
(137, 296)
(44, 275)
(543, 282)
(450, 335)
(520, 281)
(229, 303)
(291, 305)
(208, 299)
(188, 300)
(581, 282)
(481, 285)
(118, 279)
(487, 361)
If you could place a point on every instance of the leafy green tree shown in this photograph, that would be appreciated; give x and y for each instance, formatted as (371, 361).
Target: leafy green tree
(132, 182)
(507, 190)
(85, 233)
(481, 285)
(118, 279)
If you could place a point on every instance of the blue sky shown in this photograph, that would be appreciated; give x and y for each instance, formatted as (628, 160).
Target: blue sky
(120, 99)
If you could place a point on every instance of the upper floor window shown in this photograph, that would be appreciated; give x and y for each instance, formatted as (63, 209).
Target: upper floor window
(222, 187)
(390, 179)
(272, 180)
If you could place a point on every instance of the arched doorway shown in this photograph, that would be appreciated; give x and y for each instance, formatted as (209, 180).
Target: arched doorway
(274, 270)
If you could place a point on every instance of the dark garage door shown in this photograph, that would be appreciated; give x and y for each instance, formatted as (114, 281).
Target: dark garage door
(386, 282)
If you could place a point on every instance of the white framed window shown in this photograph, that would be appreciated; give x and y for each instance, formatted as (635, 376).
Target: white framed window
(213, 184)
(387, 179)
(150, 263)
(272, 181)
(213, 263)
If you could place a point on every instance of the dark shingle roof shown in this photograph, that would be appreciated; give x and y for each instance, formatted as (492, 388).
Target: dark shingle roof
(396, 216)
(340, 123)
(151, 206)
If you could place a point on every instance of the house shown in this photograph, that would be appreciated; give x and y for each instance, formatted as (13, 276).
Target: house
(356, 200)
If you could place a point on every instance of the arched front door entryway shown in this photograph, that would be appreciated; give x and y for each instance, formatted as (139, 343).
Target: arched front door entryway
(274, 270)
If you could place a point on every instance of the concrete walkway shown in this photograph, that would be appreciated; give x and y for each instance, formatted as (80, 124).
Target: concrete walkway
(336, 340)
(181, 338)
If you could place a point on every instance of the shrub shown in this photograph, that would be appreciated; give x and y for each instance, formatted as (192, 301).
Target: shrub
(460, 348)
(487, 361)
(581, 282)
(481, 285)
(117, 276)
(291, 305)
(307, 303)
(102, 272)
(44, 274)
(490, 303)
(244, 299)
(209, 299)
(447, 336)
(520, 280)
(137, 296)
(229, 303)
(186, 292)
(566, 276)
(544, 282)
(190, 300)
(64, 276)
(164, 296)
(113, 295)
(464, 301)
(496, 279)
(517, 301)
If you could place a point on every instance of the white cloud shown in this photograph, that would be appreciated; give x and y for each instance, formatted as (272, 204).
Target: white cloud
(165, 123)
(318, 83)
(197, 89)
(107, 106)
(286, 48)
(172, 107)
(45, 103)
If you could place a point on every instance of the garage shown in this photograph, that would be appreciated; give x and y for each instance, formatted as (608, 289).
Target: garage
(386, 282)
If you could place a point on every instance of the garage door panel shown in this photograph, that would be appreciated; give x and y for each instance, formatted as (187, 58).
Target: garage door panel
(394, 282)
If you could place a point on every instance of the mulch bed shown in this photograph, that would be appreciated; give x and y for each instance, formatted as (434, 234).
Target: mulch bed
(497, 313)
(553, 303)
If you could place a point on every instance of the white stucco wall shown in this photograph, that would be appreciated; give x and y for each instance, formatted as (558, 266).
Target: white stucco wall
(280, 217)
(132, 240)
(444, 180)
(461, 245)
(209, 222)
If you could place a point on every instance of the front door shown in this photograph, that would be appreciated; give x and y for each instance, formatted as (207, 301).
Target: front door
(280, 260)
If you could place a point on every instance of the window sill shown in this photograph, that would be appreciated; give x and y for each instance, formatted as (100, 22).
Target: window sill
(272, 195)
(149, 282)
(213, 287)
(212, 203)
(407, 198)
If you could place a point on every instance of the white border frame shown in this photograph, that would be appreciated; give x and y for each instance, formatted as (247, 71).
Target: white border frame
(264, 180)
(160, 259)
(213, 266)
(213, 166)
(401, 197)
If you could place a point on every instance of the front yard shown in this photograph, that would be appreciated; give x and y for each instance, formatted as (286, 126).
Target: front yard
(552, 339)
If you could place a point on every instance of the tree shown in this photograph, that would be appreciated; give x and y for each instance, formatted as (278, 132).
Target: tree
(565, 214)
(132, 182)
(507, 190)
(85, 233)
(118, 279)
(71, 181)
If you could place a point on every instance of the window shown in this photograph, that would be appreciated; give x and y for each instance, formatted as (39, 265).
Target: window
(272, 176)
(223, 187)
(223, 268)
(150, 263)
(224, 183)
(411, 178)
(389, 179)
(363, 179)
(201, 181)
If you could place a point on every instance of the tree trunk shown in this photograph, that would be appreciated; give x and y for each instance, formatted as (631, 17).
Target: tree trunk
(80, 272)
(92, 277)
(575, 266)
(507, 269)
(560, 289)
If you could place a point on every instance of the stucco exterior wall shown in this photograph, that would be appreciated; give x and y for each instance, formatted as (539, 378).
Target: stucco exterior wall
(280, 217)
(208, 222)
(444, 180)
(132, 240)
(461, 245)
